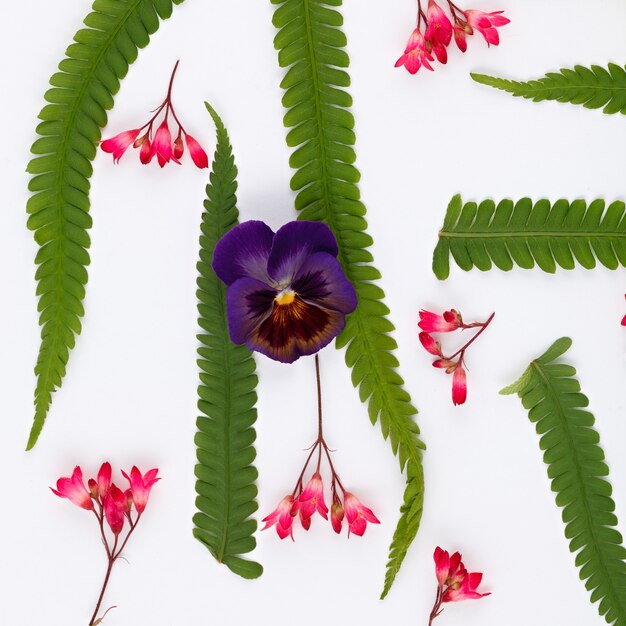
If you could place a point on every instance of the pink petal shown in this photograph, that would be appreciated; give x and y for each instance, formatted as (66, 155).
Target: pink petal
(459, 386)
(198, 155)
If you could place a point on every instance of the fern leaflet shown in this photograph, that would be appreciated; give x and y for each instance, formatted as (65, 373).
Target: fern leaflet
(525, 234)
(311, 47)
(577, 469)
(593, 87)
(227, 396)
(81, 94)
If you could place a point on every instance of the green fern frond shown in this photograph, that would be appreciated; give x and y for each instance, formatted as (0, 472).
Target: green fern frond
(578, 471)
(525, 234)
(593, 87)
(81, 94)
(311, 46)
(225, 440)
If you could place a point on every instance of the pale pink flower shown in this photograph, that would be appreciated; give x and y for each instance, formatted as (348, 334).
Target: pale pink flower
(459, 385)
(487, 24)
(74, 490)
(439, 31)
(198, 155)
(446, 323)
(120, 143)
(416, 54)
(357, 515)
(282, 518)
(140, 486)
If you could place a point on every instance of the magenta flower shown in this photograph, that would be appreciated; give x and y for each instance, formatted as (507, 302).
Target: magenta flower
(159, 145)
(282, 518)
(459, 385)
(74, 490)
(486, 24)
(446, 323)
(439, 31)
(336, 515)
(140, 486)
(357, 515)
(287, 294)
(112, 511)
(311, 500)
(416, 54)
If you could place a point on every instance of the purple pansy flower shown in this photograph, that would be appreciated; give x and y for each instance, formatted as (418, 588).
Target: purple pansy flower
(287, 294)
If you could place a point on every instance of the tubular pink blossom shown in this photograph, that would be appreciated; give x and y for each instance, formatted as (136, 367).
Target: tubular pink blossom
(312, 499)
(198, 155)
(140, 486)
(439, 26)
(146, 153)
(466, 590)
(162, 144)
(430, 344)
(119, 144)
(460, 38)
(113, 514)
(104, 480)
(282, 517)
(74, 490)
(433, 323)
(415, 54)
(336, 516)
(459, 386)
(179, 147)
(442, 565)
(357, 515)
(486, 24)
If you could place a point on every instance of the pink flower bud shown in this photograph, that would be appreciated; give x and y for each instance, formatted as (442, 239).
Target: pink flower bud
(430, 344)
(198, 155)
(459, 385)
(104, 480)
(179, 147)
(112, 512)
(147, 152)
(336, 516)
(162, 144)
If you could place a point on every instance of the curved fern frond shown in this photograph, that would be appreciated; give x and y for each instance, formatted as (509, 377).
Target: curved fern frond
(225, 439)
(593, 87)
(81, 94)
(311, 46)
(526, 233)
(578, 471)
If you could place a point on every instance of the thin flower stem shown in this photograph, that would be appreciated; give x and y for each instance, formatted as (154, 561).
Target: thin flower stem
(320, 432)
(483, 326)
(104, 585)
(436, 607)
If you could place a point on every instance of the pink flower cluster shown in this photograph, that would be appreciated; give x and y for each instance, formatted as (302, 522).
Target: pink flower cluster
(438, 30)
(449, 322)
(310, 500)
(160, 145)
(454, 582)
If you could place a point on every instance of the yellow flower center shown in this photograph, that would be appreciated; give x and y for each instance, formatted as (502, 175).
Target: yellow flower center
(286, 297)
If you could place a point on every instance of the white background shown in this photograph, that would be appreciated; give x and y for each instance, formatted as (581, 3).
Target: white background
(130, 391)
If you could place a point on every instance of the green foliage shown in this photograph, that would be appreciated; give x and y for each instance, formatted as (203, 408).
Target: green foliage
(578, 471)
(225, 439)
(593, 87)
(311, 46)
(81, 94)
(525, 234)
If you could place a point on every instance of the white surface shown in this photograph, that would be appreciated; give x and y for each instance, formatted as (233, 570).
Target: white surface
(129, 395)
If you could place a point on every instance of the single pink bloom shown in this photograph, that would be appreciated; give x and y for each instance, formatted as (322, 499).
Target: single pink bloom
(439, 31)
(282, 518)
(466, 590)
(445, 364)
(198, 155)
(112, 512)
(104, 480)
(146, 154)
(624, 318)
(122, 499)
(430, 344)
(74, 490)
(433, 323)
(486, 24)
(357, 515)
(459, 386)
(311, 499)
(179, 147)
(416, 54)
(460, 37)
(449, 569)
(336, 516)
(162, 144)
(140, 486)
(119, 144)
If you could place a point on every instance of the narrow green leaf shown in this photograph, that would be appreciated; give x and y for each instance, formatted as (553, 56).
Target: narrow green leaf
(577, 469)
(226, 396)
(82, 93)
(310, 46)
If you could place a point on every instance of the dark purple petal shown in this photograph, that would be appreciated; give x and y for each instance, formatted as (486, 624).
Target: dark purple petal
(293, 243)
(243, 251)
(294, 330)
(248, 303)
(321, 281)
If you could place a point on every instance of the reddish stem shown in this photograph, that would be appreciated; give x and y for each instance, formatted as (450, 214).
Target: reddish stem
(436, 610)
(105, 584)
(483, 327)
